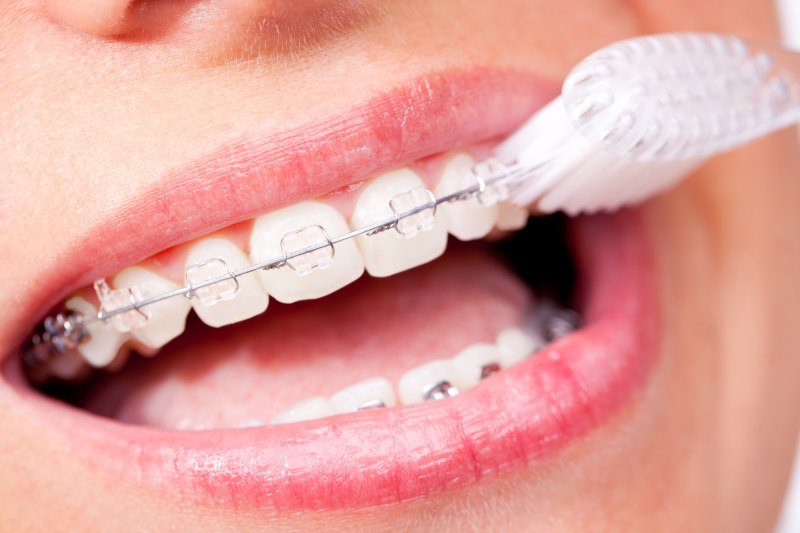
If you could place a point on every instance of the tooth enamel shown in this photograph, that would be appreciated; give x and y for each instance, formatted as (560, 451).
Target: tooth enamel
(288, 285)
(515, 345)
(388, 252)
(234, 305)
(415, 383)
(468, 219)
(310, 409)
(67, 366)
(167, 318)
(510, 217)
(475, 363)
(105, 341)
(375, 392)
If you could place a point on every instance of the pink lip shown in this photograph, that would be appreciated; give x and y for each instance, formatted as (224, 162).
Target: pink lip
(265, 170)
(384, 456)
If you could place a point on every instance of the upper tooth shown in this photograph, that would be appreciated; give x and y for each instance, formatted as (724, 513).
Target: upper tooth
(422, 383)
(104, 341)
(510, 217)
(467, 219)
(231, 300)
(310, 409)
(516, 345)
(167, 318)
(388, 252)
(375, 392)
(475, 363)
(326, 273)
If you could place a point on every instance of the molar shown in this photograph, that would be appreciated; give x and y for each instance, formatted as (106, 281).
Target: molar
(467, 219)
(325, 273)
(101, 349)
(474, 364)
(167, 318)
(233, 304)
(310, 409)
(388, 252)
(418, 384)
(375, 392)
(515, 346)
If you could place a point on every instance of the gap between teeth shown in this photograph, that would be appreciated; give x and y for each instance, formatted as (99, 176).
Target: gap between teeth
(419, 239)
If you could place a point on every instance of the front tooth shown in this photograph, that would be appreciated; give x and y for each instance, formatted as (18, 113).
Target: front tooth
(430, 381)
(388, 252)
(311, 409)
(105, 341)
(476, 363)
(515, 345)
(167, 318)
(311, 275)
(222, 304)
(375, 392)
(510, 217)
(466, 219)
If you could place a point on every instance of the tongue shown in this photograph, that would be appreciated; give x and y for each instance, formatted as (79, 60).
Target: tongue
(374, 327)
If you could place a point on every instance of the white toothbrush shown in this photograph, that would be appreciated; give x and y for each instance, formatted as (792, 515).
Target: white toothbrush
(636, 117)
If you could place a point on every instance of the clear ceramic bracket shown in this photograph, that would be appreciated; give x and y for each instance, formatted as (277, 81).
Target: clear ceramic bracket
(415, 211)
(211, 282)
(114, 300)
(313, 238)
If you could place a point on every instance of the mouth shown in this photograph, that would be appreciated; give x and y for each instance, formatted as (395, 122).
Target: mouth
(393, 367)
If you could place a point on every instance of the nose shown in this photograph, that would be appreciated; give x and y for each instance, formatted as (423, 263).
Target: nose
(260, 25)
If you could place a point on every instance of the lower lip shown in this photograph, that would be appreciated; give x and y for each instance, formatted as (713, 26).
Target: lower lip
(375, 457)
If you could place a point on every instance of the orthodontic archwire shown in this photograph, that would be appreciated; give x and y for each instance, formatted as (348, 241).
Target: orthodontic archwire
(633, 119)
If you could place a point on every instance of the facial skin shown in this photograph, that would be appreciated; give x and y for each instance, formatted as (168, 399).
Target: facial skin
(98, 98)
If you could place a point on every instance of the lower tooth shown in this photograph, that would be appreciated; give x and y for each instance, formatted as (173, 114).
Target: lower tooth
(228, 301)
(371, 393)
(167, 318)
(310, 409)
(105, 341)
(515, 346)
(431, 381)
(68, 366)
(476, 363)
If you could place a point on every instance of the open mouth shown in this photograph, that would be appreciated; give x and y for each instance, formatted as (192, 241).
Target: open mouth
(387, 367)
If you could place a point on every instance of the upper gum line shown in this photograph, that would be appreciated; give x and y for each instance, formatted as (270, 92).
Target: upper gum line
(244, 244)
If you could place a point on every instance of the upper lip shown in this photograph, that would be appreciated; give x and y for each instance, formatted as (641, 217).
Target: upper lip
(265, 170)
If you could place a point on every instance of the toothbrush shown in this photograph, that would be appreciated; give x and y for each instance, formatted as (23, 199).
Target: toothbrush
(632, 120)
(636, 117)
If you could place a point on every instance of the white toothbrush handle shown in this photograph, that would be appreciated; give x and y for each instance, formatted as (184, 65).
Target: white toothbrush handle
(636, 116)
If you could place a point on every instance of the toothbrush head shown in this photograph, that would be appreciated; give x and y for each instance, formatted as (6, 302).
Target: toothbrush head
(636, 117)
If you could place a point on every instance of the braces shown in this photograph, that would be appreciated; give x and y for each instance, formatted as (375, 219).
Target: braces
(412, 212)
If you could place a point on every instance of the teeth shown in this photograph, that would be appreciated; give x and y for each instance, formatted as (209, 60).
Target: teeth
(389, 252)
(510, 217)
(311, 275)
(476, 363)
(105, 341)
(428, 382)
(310, 409)
(228, 301)
(516, 345)
(371, 393)
(67, 366)
(468, 219)
(167, 318)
